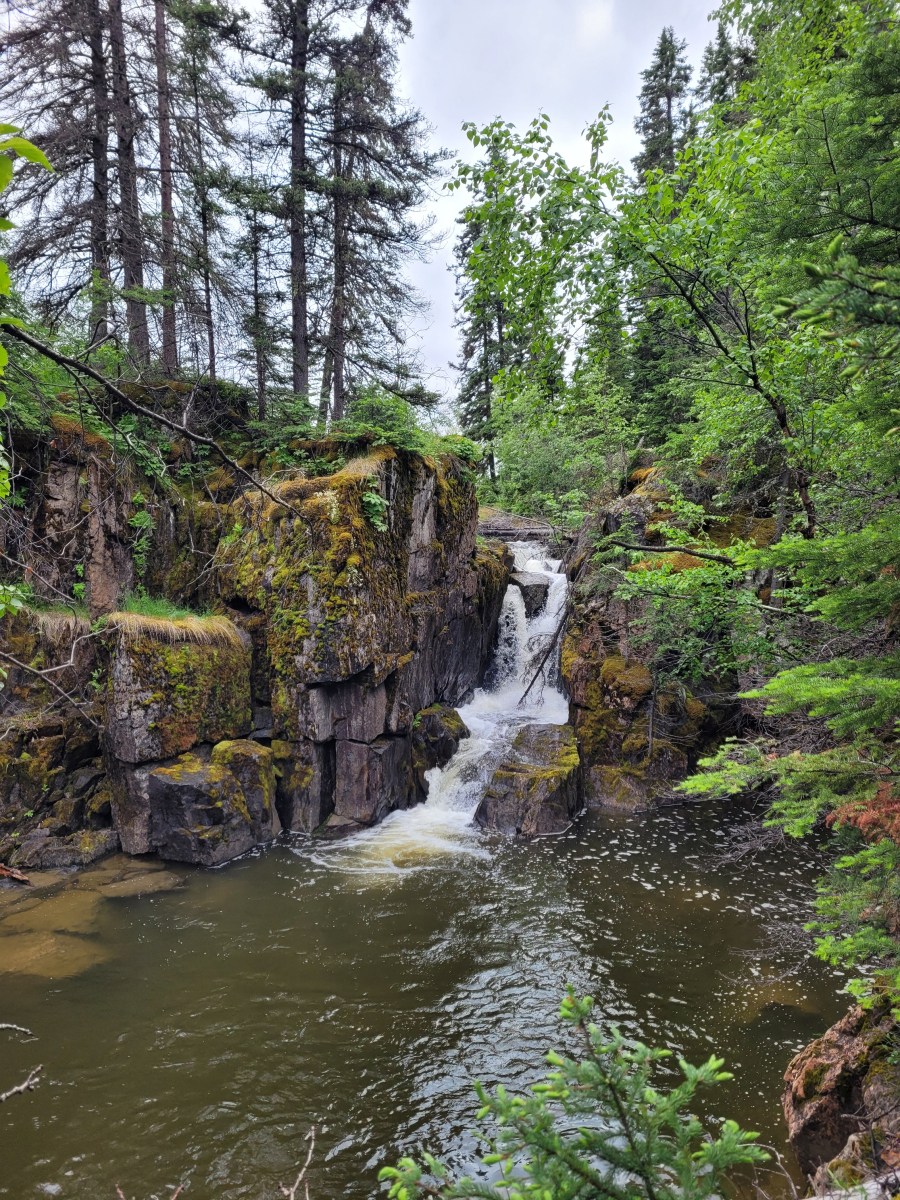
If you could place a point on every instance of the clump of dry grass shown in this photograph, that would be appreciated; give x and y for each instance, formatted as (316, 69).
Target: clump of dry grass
(205, 631)
(58, 628)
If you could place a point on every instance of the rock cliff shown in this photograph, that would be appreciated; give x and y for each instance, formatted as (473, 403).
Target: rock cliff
(347, 612)
(840, 1100)
(638, 733)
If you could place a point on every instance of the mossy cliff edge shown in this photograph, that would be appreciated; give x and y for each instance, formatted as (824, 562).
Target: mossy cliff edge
(349, 613)
(639, 730)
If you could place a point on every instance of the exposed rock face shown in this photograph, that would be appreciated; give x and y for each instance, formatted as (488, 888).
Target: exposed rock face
(538, 789)
(389, 773)
(534, 589)
(326, 690)
(164, 698)
(636, 738)
(198, 813)
(363, 628)
(836, 1087)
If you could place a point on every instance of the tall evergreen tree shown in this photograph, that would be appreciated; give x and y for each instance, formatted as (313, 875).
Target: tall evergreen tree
(727, 65)
(666, 121)
(379, 168)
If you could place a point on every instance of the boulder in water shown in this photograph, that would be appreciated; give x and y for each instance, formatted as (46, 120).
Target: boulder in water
(198, 813)
(253, 766)
(537, 789)
(534, 589)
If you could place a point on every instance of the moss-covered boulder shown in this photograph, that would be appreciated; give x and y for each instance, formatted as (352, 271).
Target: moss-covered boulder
(41, 850)
(253, 766)
(165, 696)
(538, 787)
(437, 732)
(198, 813)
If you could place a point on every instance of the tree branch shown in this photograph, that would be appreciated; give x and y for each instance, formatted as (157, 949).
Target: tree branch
(28, 1086)
(720, 558)
(74, 366)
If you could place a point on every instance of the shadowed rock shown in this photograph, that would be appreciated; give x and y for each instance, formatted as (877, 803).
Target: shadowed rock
(534, 590)
(538, 788)
(198, 813)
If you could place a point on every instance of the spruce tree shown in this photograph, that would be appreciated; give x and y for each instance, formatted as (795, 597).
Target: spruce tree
(727, 66)
(665, 122)
(378, 169)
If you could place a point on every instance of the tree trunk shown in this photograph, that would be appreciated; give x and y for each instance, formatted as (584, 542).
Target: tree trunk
(100, 274)
(257, 327)
(204, 235)
(129, 208)
(299, 283)
(169, 342)
(325, 390)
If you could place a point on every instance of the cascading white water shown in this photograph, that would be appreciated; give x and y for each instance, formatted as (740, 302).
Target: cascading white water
(443, 824)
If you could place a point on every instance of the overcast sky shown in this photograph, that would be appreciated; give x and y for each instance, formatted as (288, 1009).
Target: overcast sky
(473, 60)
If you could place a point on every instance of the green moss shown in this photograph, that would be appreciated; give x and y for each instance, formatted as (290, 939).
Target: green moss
(204, 691)
(813, 1078)
(632, 681)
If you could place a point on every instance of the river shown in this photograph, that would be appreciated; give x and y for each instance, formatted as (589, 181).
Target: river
(193, 1025)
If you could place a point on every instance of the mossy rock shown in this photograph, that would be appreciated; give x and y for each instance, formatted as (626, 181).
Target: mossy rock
(537, 789)
(165, 698)
(198, 813)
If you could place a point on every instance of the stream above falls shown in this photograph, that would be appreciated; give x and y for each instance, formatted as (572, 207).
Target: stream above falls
(194, 1024)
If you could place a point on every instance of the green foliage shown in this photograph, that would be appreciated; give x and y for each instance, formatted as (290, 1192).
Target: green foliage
(598, 1127)
(156, 606)
(290, 420)
(375, 507)
(761, 407)
(11, 144)
(553, 461)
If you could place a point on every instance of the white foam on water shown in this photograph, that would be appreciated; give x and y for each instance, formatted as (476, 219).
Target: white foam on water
(418, 837)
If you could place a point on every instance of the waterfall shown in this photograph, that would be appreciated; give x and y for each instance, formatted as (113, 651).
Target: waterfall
(443, 824)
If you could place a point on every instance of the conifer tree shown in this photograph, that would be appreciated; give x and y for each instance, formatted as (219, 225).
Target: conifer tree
(665, 123)
(727, 66)
(377, 169)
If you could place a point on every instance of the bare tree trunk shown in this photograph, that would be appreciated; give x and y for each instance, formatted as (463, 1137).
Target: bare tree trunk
(325, 389)
(257, 323)
(169, 337)
(299, 281)
(100, 163)
(129, 207)
(204, 233)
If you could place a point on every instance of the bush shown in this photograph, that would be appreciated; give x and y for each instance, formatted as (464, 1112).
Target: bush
(633, 1140)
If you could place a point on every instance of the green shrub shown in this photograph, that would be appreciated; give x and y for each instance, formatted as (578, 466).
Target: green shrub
(597, 1128)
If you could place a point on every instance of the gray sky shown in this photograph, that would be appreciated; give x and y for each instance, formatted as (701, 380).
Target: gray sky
(473, 60)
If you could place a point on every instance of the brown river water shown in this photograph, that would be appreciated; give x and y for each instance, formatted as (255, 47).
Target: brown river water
(194, 1024)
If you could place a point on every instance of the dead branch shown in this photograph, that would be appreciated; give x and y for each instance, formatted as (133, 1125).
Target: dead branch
(18, 877)
(291, 1193)
(51, 683)
(28, 1086)
(720, 558)
(18, 1029)
(139, 410)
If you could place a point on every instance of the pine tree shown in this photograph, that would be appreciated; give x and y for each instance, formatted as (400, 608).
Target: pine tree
(665, 123)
